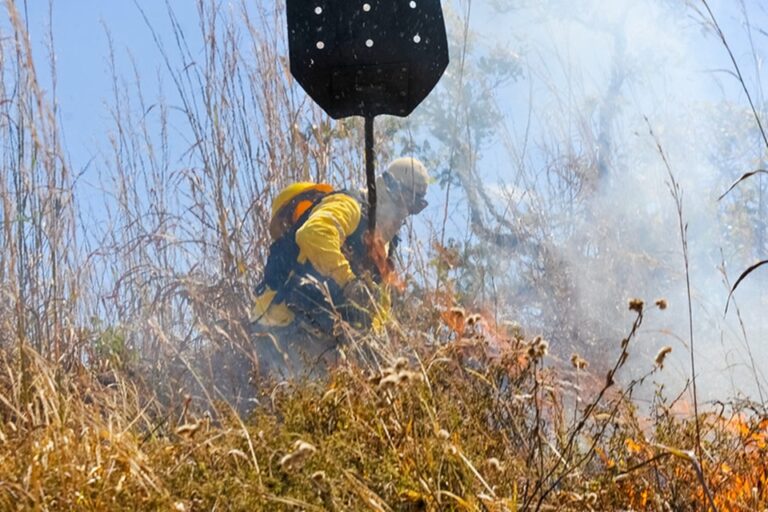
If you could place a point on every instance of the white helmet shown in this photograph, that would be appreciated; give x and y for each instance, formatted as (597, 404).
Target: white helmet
(407, 180)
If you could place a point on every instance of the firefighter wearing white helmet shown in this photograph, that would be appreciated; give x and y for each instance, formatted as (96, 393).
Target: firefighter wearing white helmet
(321, 264)
(403, 190)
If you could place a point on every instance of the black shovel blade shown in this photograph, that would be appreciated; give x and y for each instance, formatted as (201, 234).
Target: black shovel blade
(367, 57)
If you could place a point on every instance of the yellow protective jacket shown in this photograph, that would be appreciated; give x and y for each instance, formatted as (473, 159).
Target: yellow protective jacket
(320, 240)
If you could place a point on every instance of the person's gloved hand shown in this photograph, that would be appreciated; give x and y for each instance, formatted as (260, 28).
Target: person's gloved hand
(358, 305)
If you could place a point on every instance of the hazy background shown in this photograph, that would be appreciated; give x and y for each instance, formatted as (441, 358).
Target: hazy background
(558, 200)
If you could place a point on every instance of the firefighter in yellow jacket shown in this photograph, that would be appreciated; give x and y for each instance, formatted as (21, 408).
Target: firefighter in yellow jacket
(322, 262)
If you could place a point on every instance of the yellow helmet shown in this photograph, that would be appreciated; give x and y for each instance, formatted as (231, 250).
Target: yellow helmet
(289, 193)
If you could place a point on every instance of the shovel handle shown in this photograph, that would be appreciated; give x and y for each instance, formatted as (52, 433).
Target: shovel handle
(370, 174)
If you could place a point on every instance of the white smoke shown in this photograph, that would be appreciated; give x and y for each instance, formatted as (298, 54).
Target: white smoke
(595, 69)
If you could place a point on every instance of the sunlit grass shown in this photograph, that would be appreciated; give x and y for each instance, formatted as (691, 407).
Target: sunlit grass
(121, 344)
(482, 421)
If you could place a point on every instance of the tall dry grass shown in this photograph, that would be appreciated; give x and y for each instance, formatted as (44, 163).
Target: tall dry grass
(191, 238)
(124, 357)
(480, 420)
(155, 277)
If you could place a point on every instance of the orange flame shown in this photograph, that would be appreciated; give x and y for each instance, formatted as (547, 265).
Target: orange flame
(378, 254)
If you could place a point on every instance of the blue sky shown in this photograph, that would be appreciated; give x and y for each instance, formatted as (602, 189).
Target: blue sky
(81, 31)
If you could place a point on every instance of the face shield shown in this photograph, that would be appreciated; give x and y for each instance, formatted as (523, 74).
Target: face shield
(412, 200)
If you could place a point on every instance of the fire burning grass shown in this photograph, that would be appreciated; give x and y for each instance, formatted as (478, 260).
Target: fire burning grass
(477, 423)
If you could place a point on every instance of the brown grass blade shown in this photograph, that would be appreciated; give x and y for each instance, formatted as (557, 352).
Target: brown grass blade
(741, 278)
(292, 502)
(744, 177)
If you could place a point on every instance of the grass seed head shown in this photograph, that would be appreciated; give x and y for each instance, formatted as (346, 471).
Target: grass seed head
(662, 354)
(513, 329)
(189, 429)
(636, 305)
(401, 363)
(388, 382)
(578, 362)
(302, 450)
(474, 319)
(405, 376)
(662, 304)
(303, 446)
(494, 464)
(235, 453)
(538, 348)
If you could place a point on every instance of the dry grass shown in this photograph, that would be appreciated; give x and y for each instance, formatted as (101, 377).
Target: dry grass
(123, 357)
(475, 421)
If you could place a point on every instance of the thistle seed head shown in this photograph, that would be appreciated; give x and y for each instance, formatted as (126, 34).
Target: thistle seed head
(636, 305)
(538, 348)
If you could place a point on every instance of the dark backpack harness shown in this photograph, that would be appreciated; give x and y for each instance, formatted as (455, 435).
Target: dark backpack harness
(282, 262)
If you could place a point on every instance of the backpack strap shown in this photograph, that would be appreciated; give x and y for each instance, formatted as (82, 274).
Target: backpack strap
(282, 260)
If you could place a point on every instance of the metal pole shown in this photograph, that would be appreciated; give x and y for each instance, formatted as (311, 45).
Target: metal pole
(370, 174)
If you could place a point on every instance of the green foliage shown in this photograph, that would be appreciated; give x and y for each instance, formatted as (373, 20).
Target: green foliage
(110, 345)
